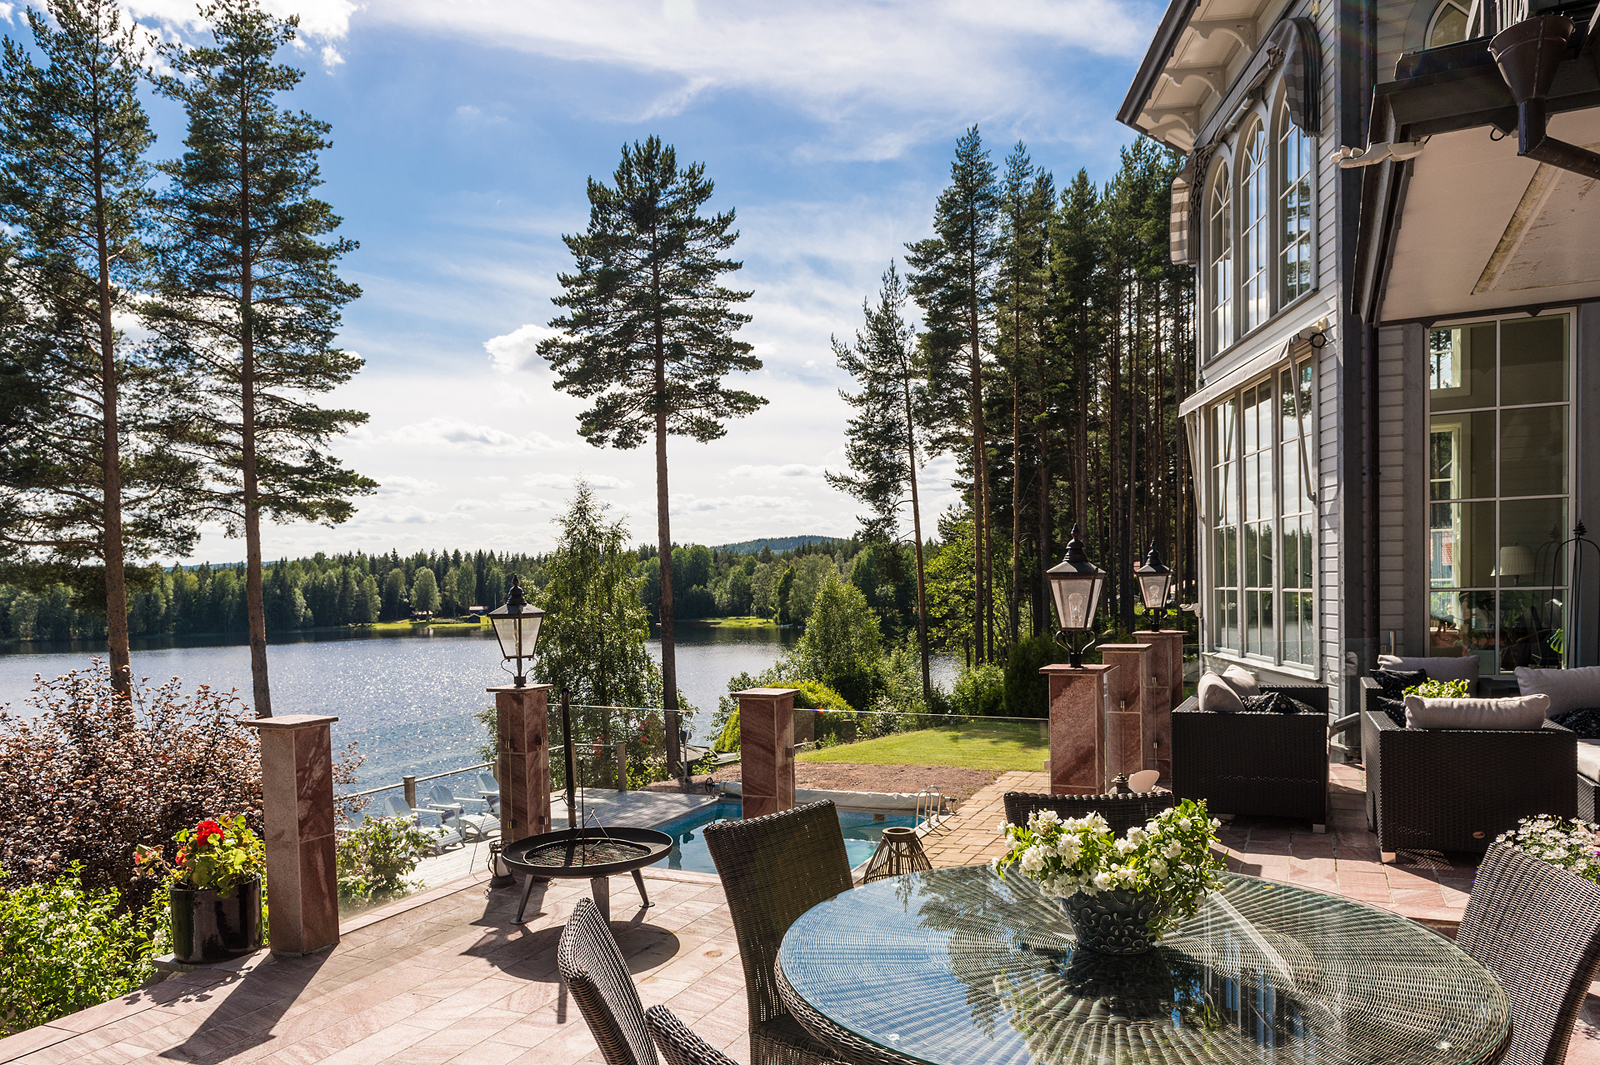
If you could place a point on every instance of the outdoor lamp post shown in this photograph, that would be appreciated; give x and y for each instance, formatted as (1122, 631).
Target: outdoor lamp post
(1075, 585)
(1155, 581)
(516, 626)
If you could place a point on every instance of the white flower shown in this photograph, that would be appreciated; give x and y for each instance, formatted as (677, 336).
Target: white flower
(1136, 835)
(1104, 881)
(1033, 859)
(1173, 849)
(1158, 868)
(1126, 846)
(1127, 874)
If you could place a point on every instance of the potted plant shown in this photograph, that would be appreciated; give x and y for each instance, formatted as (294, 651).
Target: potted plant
(214, 887)
(1120, 895)
(1566, 844)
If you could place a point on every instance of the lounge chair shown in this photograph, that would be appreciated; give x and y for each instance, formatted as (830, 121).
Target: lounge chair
(473, 826)
(489, 792)
(433, 824)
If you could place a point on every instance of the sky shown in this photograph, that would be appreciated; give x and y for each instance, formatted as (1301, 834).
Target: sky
(463, 136)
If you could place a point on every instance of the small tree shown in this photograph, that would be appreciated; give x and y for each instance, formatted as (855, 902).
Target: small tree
(425, 591)
(842, 646)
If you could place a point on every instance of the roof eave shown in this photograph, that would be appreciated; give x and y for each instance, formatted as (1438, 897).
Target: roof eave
(1155, 60)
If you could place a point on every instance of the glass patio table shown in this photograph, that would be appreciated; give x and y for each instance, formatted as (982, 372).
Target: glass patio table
(959, 967)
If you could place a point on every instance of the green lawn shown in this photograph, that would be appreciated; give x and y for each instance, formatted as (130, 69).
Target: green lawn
(978, 745)
(738, 623)
(407, 625)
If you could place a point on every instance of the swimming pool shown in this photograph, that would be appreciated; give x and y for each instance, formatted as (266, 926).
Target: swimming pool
(861, 834)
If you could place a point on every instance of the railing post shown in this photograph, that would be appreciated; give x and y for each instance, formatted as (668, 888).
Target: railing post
(410, 785)
(766, 749)
(622, 765)
(522, 731)
(297, 811)
(1078, 712)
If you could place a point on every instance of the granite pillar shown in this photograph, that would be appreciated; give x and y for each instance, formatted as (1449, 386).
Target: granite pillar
(1131, 744)
(297, 810)
(766, 749)
(1078, 713)
(522, 723)
(1168, 668)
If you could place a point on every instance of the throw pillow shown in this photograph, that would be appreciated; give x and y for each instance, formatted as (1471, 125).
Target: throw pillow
(1273, 703)
(1395, 708)
(1218, 695)
(1518, 712)
(1568, 689)
(1464, 667)
(1241, 680)
(1394, 682)
(1585, 722)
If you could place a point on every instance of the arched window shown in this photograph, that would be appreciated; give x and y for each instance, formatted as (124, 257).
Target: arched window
(1255, 234)
(1448, 25)
(1294, 208)
(1219, 245)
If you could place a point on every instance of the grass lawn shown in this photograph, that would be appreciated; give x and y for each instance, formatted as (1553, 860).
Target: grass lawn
(737, 623)
(406, 625)
(978, 745)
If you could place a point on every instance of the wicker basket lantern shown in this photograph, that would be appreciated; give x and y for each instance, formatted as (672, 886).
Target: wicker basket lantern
(899, 851)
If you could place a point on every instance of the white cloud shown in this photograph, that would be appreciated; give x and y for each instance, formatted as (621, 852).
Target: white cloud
(403, 485)
(409, 515)
(704, 504)
(569, 480)
(481, 439)
(321, 20)
(792, 469)
(330, 57)
(518, 348)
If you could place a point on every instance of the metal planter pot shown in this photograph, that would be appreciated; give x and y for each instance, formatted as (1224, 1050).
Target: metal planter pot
(206, 927)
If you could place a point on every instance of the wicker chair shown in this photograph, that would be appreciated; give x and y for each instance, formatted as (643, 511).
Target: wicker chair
(1537, 928)
(1273, 765)
(774, 869)
(678, 1044)
(595, 970)
(1121, 812)
(1457, 789)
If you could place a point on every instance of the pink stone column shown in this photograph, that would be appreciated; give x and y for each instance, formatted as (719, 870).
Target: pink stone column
(1078, 728)
(297, 808)
(1168, 667)
(522, 723)
(766, 749)
(1132, 697)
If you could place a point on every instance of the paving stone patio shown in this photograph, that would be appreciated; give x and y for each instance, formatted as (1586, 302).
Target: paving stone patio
(445, 977)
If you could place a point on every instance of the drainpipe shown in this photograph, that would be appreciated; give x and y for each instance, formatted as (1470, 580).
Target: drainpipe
(1528, 55)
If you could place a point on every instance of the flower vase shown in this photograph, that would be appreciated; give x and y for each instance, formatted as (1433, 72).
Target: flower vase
(1114, 922)
(208, 927)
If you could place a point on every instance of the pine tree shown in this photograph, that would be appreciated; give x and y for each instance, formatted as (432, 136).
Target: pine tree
(953, 282)
(649, 333)
(249, 299)
(85, 481)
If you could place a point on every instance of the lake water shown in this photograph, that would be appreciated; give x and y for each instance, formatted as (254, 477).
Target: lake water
(407, 698)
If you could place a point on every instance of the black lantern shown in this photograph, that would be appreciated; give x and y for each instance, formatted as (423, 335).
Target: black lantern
(1075, 585)
(1155, 581)
(516, 626)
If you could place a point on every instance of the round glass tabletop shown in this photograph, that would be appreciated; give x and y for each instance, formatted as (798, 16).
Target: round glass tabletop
(959, 967)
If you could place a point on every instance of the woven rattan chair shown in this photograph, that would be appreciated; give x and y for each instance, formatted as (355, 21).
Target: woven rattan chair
(678, 1044)
(774, 869)
(593, 966)
(1537, 928)
(1273, 765)
(1121, 812)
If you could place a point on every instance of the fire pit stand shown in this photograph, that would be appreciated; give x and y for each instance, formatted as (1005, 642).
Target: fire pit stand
(596, 853)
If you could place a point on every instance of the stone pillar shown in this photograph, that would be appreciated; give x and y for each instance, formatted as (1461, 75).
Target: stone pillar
(766, 749)
(297, 808)
(1078, 728)
(1130, 746)
(1168, 668)
(522, 722)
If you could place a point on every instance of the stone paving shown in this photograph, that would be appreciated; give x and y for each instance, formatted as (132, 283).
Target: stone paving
(445, 977)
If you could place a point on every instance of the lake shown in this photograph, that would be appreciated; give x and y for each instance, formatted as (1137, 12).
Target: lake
(407, 698)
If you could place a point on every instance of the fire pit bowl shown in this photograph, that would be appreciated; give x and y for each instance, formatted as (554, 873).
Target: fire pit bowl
(595, 853)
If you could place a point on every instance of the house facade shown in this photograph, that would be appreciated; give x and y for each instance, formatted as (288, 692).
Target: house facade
(1395, 426)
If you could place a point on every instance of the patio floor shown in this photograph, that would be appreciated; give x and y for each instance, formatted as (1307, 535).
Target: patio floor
(445, 977)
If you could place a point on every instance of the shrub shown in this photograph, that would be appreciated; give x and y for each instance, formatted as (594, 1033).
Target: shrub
(63, 948)
(980, 691)
(376, 856)
(1027, 691)
(1441, 689)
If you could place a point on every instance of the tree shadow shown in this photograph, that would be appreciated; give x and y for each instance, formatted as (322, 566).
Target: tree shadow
(249, 1010)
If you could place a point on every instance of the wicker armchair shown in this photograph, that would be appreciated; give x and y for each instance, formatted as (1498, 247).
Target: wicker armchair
(1121, 812)
(1273, 765)
(678, 1044)
(1537, 928)
(596, 972)
(774, 869)
(1457, 789)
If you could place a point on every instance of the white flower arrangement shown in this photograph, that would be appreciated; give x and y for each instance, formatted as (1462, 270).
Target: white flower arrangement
(1171, 856)
(1572, 845)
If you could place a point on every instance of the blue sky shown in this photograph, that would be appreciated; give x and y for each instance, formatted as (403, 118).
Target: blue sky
(463, 134)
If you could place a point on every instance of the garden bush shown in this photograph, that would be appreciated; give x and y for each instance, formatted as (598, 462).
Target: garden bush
(1027, 691)
(375, 857)
(980, 691)
(64, 947)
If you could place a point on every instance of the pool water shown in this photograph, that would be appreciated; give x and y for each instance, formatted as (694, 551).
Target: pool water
(861, 834)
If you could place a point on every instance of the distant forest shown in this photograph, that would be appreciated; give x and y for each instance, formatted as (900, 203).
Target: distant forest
(735, 580)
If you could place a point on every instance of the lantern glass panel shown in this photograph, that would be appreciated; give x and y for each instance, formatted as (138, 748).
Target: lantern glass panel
(1153, 588)
(1076, 597)
(517, 633)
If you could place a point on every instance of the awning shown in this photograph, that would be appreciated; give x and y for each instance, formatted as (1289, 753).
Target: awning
(1255, 366)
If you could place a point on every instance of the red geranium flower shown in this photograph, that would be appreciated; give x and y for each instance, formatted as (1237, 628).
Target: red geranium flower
(183, 856)
(204, 831)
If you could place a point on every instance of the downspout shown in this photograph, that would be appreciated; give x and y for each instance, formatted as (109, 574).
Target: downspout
(1528, 55)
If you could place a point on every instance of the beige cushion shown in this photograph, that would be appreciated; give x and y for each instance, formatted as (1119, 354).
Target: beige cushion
(1217, 694)
(1589, 758)
(1568, 689)
(1241, 680)
(1517, 712)
(1464, 667)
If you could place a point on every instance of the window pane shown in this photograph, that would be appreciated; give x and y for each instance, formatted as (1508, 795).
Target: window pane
(1308, 629)
(1461, 456)
(1307, 572)
(1252, 494)
(1264, 543)
(1220, 242)
(1529, 621)
(1533, 451)
(1461, 545)
(1255, 236)
(1294, 209)
(1291, 554)
(1531, 530)
(1533, 360)
(1461, 367)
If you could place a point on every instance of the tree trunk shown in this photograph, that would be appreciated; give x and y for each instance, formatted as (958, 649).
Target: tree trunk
(916, 532)
(669, 658)
(255, 600)
(111, 462)
(1015, 617)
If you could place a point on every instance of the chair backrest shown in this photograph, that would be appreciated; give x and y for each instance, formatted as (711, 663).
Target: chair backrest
(443, 796)
(1537, 928)
(488, 783)
(597, 974)
(396, 805)
(1144, 779)
(1121, 812)
(774, 869)
(677, 1043)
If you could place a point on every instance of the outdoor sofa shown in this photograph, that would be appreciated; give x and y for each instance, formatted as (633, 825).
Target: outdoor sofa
(1263, 764)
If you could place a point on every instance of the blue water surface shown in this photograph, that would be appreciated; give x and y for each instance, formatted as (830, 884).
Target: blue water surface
(861, 834)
